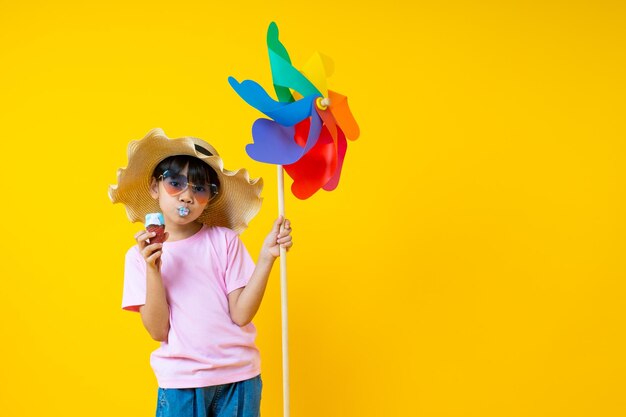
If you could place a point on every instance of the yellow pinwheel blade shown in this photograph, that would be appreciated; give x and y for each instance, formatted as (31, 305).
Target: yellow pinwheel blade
(316, 70)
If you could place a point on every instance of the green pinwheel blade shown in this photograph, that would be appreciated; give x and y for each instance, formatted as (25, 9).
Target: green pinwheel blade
(284, 75)
(278, 49)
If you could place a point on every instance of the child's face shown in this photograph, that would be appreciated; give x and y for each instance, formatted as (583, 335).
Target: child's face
(179, 207)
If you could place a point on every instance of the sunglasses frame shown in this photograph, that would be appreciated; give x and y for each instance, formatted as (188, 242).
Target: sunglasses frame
(213, 191)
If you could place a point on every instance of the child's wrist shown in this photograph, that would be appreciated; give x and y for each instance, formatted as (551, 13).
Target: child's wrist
(266, 258)
(152, 269)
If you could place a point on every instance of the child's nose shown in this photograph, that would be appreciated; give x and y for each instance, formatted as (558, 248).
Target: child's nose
(185, 196)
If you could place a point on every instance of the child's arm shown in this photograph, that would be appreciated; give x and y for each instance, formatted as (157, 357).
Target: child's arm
(155, 314)
(245, 302)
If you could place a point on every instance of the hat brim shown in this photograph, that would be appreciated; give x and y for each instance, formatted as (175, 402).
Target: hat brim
(239, 198)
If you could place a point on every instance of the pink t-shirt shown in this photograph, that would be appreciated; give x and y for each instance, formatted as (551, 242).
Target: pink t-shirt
(204, 347)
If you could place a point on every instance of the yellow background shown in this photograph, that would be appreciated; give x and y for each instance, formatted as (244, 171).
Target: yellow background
(471, 262)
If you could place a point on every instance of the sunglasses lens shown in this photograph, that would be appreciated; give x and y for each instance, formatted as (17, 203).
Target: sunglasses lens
(202, 193)
(175, 184)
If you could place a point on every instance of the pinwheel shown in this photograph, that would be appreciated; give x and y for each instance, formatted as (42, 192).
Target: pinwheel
(309, 124)
(306, 134)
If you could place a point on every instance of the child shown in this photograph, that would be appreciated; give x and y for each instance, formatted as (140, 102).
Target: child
(198, 291)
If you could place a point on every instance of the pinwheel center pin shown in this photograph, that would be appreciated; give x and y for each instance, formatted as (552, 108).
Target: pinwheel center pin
(322, 103)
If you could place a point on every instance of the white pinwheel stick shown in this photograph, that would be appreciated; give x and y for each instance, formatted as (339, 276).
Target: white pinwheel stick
(322, 103)
(283, 295)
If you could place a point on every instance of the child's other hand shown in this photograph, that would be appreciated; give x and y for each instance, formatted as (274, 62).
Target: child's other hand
(151, 252)
(279, 236)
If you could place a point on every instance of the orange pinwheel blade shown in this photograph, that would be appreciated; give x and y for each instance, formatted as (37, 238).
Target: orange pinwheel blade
(343, 115)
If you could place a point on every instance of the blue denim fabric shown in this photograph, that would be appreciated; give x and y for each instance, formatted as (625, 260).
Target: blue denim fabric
(239, 399)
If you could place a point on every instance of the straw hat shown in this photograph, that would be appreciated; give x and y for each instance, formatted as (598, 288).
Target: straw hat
(237, 202)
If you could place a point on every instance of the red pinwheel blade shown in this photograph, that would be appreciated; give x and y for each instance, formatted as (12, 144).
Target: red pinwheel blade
(342, 147)
(316, 167)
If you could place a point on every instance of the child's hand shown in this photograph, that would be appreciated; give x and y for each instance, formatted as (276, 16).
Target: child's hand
(151, 252)
(279, 236)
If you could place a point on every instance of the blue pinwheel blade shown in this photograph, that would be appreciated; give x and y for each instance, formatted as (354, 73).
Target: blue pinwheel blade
(287, 114)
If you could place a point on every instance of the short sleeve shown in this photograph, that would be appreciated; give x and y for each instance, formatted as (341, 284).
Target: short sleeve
(239, 267)
(134, 295)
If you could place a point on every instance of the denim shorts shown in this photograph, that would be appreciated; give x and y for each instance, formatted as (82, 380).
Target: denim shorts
(239, 399)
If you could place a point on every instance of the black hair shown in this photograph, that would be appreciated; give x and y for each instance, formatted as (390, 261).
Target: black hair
(198, 172)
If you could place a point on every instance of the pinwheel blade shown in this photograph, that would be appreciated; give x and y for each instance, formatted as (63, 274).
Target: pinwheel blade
(342, 147)
(343, 115)
(315, 168)
(274, 143)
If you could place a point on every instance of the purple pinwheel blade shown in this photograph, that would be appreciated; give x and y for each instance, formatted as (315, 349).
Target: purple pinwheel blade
(314, 130)
(275, 143)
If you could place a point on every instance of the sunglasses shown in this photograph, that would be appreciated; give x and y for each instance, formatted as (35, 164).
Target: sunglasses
(175, 184)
